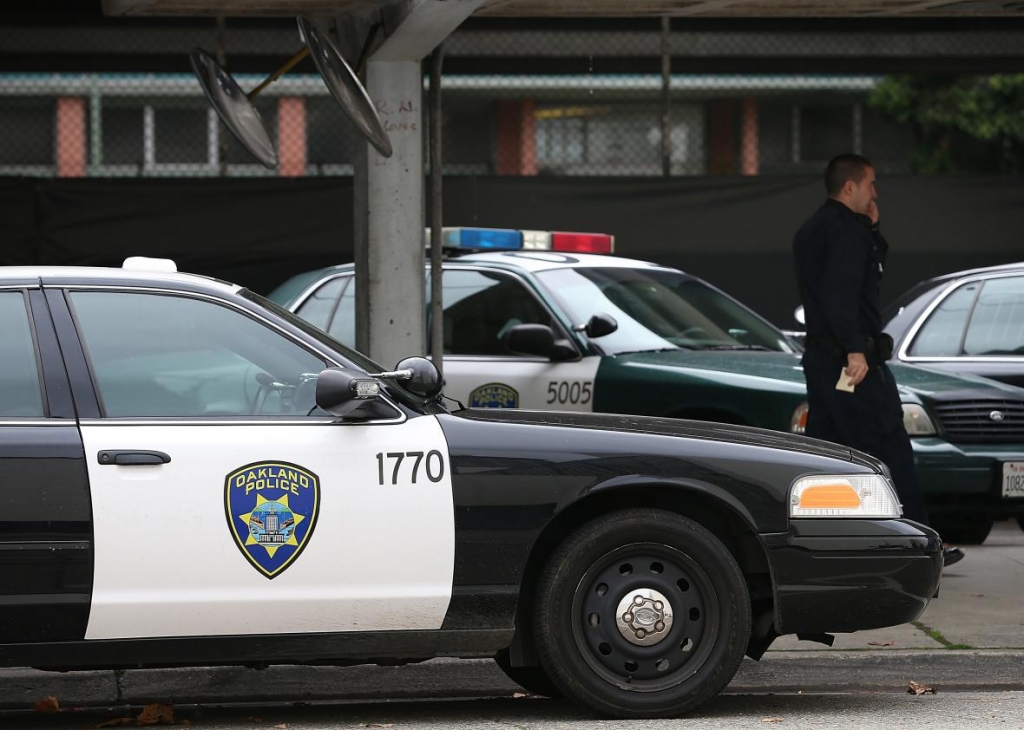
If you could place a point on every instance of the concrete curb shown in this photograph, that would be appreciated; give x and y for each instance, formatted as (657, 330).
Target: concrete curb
(791, 671)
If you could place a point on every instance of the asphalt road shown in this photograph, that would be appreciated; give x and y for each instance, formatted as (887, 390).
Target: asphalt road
(788, 710)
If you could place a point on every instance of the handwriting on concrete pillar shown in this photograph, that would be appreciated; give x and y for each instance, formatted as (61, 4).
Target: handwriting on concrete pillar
(397, 115)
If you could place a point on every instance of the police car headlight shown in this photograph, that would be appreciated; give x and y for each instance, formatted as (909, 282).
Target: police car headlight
(869, 496)
(916, 420)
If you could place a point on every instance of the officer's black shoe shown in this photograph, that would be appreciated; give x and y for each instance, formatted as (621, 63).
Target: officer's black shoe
(951, 555)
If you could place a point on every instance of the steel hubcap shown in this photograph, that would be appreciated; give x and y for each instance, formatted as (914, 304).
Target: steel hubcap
(644, 617)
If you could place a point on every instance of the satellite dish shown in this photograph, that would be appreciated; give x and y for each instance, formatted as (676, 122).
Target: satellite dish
(345, 86)
(234, 107)
(236, 110)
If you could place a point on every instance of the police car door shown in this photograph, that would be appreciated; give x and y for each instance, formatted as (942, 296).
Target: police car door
(480, 306)
(220, 507)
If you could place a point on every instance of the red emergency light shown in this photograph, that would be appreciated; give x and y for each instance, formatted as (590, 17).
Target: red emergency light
(582, 242)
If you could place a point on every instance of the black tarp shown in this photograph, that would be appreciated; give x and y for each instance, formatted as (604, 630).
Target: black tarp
(735, 232)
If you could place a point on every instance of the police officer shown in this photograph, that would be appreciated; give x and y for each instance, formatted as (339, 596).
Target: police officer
(840, 256)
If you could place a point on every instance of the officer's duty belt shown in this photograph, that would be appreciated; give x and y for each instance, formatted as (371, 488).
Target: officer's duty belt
(879, 346)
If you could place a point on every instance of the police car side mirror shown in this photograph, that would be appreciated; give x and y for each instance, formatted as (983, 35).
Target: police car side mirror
(340, 391)
(539, 340)
(422, 379)
(601, 324)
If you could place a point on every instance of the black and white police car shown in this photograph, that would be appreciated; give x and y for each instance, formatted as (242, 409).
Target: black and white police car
(190, 475)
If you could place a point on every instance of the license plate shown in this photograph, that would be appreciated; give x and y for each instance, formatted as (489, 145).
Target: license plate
(1013, 479)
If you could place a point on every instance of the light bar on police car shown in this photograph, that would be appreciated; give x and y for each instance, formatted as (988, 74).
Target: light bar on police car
(506, 239)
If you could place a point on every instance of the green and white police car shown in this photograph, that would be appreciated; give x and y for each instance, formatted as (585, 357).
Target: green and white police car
(541, 320)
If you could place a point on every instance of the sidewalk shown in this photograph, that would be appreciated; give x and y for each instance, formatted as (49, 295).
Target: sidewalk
(971, 637)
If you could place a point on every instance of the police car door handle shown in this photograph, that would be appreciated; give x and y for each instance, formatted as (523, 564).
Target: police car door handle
(130, 458)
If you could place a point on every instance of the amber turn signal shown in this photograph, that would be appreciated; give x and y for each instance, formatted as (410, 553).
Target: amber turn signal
(830, 496)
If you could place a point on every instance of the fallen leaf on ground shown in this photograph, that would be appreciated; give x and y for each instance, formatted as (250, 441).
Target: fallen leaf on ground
(916, 688)
(117, 722)
(517, 695)
(880, 643)
(282, 726)
(156, 714)
(47, 704)
(771, 719)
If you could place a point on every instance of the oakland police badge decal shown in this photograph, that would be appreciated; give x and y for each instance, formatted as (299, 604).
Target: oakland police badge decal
(494, 395)
(272, 508)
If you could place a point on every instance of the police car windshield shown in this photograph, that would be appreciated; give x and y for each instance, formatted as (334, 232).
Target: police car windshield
(659, 310)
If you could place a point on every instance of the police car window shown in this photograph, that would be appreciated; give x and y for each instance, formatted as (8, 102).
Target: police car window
(156, 355)
(658, 310)
(481, 307)
(943, 331)
(997, 322)
(20, 391)
(320, 305)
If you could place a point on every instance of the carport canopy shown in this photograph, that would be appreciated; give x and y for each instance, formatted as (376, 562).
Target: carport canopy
(389, 192)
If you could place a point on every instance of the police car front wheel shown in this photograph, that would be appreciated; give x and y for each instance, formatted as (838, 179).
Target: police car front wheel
(642, 613)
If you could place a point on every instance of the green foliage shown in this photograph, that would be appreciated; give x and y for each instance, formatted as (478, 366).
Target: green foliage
(963, 122)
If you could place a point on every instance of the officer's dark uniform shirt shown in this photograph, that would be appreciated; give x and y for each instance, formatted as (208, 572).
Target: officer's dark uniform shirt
(839, 265)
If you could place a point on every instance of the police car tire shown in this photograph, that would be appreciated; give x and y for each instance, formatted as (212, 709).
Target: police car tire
(533, 679)
(590, 658)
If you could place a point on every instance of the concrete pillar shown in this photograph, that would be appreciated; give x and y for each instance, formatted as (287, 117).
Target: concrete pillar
(395, 188)
(723, 137)
(750, 149)
(291, 136)
(517, 138)
(70, 136)
(390, 192)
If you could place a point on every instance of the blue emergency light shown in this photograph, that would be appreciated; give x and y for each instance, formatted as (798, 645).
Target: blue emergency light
(488, 238)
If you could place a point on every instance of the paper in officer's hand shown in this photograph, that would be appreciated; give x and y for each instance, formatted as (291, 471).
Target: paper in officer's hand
(844, 382)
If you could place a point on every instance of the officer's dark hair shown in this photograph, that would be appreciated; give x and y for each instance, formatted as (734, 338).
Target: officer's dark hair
(842, 168)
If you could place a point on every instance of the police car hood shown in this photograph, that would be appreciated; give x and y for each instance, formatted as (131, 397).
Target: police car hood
(755, 367)
(678, 427)
(723, 365)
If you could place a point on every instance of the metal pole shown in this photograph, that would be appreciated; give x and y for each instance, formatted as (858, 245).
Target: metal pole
(436, 310)
(666, 101)
(222, 139)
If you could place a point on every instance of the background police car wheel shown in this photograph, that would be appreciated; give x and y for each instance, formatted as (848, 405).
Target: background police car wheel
(971, 530)
(638, 564)
(533, 679)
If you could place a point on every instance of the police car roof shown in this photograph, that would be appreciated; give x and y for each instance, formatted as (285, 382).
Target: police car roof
(530, 261)
(533, 261)
(111, 275)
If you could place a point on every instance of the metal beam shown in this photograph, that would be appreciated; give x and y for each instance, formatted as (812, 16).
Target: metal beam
(587, 8)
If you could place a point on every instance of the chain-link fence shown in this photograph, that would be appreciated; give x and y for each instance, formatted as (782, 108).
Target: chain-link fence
(649, 98)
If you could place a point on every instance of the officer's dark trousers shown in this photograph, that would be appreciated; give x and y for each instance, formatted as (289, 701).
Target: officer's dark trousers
(870, 419)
